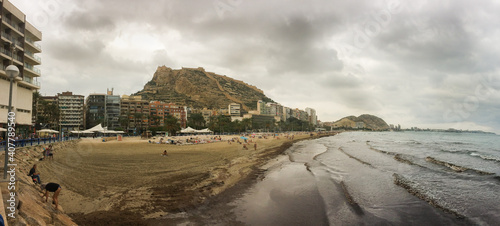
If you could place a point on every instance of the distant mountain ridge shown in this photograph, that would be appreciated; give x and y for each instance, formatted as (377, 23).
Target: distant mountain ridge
(197, 88)
(367, 122)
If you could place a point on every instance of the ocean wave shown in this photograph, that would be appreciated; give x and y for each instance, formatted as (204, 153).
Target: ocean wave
(414, 189)
(414, 142)
(473, 154)
(350, 156)
(457, 151)
(452, 142)
(456, 168)
(350, 200)
(485, 157)
(399, 158)
(378, 150)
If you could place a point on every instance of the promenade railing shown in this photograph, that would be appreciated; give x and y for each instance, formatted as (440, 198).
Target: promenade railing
(36, 141)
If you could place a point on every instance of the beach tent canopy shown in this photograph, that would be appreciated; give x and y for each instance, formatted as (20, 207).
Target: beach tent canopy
(47, 131)
(97, 128)
(188, 130)
(81, 132)
(206, 130)
(191, 130)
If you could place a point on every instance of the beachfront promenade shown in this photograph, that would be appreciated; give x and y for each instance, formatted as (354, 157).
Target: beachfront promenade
(36, 141)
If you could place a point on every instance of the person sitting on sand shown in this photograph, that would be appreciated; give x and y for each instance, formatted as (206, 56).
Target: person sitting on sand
(52, 187)
(34, 175)
(164, 153)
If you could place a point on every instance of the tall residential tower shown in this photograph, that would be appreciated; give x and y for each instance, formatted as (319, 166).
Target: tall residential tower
(18, 47)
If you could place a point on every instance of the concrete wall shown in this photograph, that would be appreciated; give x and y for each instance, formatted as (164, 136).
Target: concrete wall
(22, 98)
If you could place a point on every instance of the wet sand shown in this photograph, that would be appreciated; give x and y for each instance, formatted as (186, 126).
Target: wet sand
(130, 182)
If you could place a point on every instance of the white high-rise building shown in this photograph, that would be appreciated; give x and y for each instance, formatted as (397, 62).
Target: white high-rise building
(18, 47)
(313, 119)
(234, 109)
(72, 110)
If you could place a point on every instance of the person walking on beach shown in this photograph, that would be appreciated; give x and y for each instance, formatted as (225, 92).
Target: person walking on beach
(255, 146)
(52, 187)
(34, 175)
(47, 153)
(50, 152)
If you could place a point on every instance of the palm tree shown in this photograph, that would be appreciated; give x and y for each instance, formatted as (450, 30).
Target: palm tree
(138, 121)
(172, 125)
(125, 121)
(155, 120)
(49, 114)
(246, 123)
(196, 121)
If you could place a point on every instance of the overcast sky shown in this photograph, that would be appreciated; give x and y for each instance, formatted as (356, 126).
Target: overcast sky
(415, 63)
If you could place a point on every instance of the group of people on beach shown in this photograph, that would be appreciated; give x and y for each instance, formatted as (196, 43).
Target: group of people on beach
(47, 187)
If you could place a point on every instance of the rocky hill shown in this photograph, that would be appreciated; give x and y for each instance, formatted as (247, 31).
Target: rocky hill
(197, 88)
(365, 121)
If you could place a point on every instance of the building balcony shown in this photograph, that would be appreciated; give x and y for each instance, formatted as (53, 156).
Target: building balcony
(32, 70)
(32, 32)
(32, 57)
(32, 43)
(6, 52)
(12, 25)
(30, 83)
(9, 38)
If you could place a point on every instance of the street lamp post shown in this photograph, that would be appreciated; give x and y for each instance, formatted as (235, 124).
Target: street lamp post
(12, 72)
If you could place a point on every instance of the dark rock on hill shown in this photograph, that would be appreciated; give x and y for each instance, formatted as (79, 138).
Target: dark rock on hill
(364, 121)
(197, 88)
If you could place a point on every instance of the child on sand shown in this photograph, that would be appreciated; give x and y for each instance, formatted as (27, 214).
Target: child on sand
(164, 153)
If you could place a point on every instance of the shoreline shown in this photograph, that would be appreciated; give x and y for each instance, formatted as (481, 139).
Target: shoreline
(192, 176)
(217, 209)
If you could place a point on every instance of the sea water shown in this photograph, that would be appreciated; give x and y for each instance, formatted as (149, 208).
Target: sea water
(380, 178)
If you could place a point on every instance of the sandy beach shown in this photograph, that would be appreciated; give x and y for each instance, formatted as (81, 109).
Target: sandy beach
(131, 182)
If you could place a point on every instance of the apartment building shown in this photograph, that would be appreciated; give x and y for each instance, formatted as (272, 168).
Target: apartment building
(45, 116)
(312, 118)
(134, 113)
(71, 110)
(161, 110)
(18, 46)
(103, 109)
(234, 109)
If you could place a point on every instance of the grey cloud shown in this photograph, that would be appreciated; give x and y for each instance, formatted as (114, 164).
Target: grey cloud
(424, 61)
(67, 49)
(81, 20)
